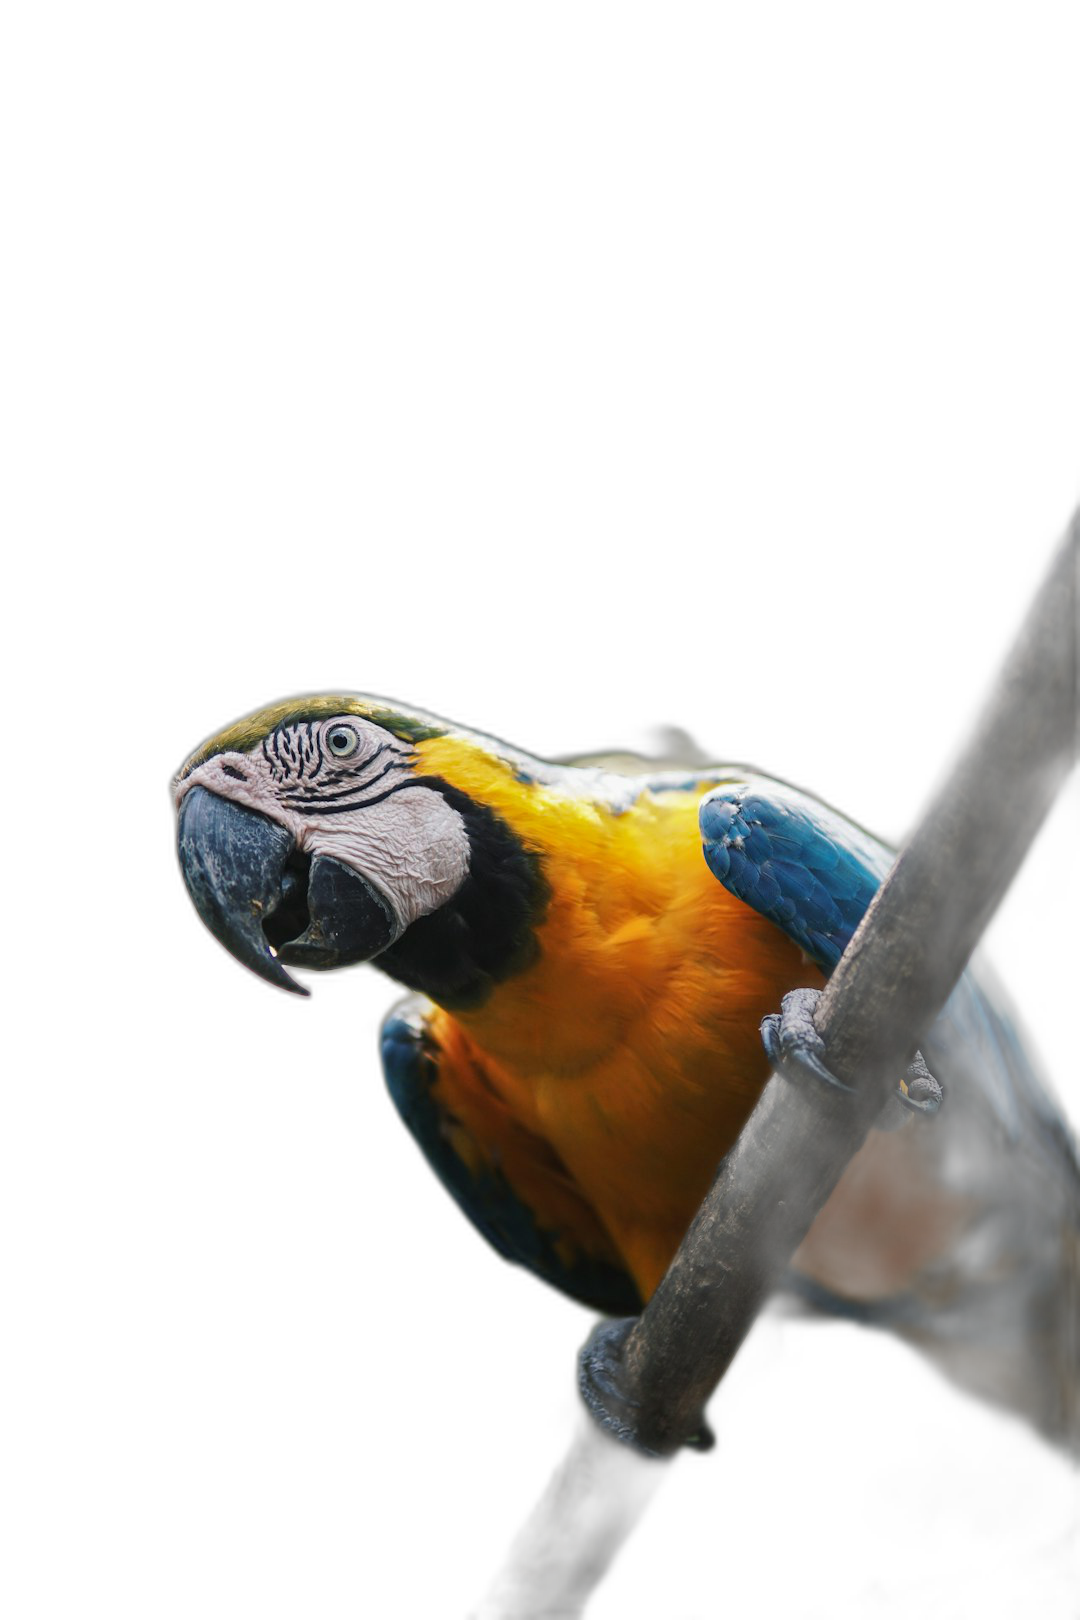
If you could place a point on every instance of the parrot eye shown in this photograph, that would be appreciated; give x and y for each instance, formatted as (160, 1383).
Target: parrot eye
(342, 741)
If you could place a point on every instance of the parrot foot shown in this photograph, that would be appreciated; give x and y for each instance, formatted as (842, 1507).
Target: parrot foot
(599, 1385)
(919, 1091)
(792, 1043)
(600, 1380)
(794, 1047)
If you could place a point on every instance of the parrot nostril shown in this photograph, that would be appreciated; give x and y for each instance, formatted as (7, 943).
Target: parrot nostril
(290, 917)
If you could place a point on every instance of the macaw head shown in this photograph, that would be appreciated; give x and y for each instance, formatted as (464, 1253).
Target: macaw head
(312, 834)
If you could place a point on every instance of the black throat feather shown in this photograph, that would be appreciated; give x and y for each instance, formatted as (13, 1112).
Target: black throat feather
(487, 932)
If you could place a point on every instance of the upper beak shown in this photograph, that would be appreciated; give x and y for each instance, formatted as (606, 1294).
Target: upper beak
(233, 861)
(318, 913)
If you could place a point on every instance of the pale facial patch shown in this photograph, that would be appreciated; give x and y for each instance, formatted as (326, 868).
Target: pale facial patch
(344, 787)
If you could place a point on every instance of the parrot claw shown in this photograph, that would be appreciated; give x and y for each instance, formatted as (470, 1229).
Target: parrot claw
(792, 1043)
(599, 1385)
(702, 1439)
(918, 1090)
(794, 1047)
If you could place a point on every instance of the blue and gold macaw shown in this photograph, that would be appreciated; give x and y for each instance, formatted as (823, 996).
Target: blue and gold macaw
(582, 1045)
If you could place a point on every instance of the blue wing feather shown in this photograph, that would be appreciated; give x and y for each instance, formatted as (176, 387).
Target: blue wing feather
(813, 873)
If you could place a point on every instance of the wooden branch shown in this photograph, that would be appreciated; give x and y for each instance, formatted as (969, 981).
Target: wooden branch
(647, 1380)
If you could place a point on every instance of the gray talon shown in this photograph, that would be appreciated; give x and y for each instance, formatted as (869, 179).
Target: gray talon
(599, 1385)
(792, 1042)
(918, 1089)
(793, 1046)
(702, 1439)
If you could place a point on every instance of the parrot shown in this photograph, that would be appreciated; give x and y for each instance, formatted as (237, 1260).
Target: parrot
(590, 948)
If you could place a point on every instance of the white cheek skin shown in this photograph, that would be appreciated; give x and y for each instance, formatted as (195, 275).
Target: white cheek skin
(413, 847)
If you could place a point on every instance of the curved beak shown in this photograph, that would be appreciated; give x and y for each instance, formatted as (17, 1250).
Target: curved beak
(268, 903)
(233, 861)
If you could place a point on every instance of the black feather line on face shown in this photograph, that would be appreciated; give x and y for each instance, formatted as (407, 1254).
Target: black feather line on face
(315, 733)
(486, 933)
(325, 799)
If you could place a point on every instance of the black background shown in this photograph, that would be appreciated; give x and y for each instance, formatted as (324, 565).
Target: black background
(326, 1377)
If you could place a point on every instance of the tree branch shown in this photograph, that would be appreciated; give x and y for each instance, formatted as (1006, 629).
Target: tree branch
(647, 1380)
